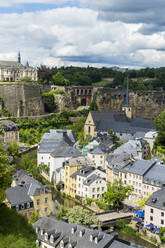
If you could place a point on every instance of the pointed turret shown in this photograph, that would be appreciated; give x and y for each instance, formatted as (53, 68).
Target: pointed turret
(19, 58)
(127, 95)
(127, 108)
(27, 64)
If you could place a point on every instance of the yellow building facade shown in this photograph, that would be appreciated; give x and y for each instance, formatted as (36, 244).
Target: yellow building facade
(90, 127)
(71, 167)
(42, 202)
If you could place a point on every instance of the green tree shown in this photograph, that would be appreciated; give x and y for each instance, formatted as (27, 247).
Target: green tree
(62, 213)
(5, 173)
(116, 193)
(141, 203)
(79, 215)
(26, 79)
(59, 79)
(13, 149)
(34, 217)
(116, 141)
(160, 125)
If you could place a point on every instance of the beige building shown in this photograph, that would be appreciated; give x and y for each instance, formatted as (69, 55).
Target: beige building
(9, 131)
(15, 71)
(72, 166)
(18, 200)
(70, 183)
(155, 209)
(146, 177)
(97, 156)
(39, 194)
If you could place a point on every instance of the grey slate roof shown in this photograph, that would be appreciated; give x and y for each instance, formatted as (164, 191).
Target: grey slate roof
(91, 179)
(80, 160)
(17, 195)
(118, 122)
(56, 138)
(84, 171)
(133, 147)
(32, 186)
(118, 161)
(11, 64)
(156, 175)
(113, 115)
(63, 231)
(96, 150)
(141, 166)
(8, 125)
(157, 199)
(66, 151)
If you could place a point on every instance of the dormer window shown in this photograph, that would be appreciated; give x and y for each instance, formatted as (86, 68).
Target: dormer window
(82, 232)
(52, 239)
(22, 206)
(46, 237)
(62, 244)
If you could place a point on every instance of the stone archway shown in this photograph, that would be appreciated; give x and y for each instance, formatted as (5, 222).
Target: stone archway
(83, 102)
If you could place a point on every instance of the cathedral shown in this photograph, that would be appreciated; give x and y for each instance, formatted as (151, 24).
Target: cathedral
(14, 71)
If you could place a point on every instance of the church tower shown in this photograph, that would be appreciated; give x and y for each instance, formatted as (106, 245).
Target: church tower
(19, 58)
(127, 108)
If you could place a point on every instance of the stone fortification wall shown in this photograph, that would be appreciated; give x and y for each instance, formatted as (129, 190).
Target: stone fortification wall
(146, 104)
(22, 99)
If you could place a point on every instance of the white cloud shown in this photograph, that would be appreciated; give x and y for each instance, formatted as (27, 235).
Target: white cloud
(11, 3)
(150, 13)
(76, 36)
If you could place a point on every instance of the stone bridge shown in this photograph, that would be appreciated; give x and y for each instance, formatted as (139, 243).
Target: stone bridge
(110, 217)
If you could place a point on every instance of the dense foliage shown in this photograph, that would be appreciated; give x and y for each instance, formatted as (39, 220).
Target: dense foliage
(78, 215)
(5, 172)
(15, 232)
(116, 193)
(160, 125)
(143, 79)
(31, 131)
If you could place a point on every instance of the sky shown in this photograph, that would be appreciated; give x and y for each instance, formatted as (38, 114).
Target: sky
(125, 33)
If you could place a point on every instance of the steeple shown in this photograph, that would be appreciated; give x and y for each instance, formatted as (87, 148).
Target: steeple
(127, 95)
(19, 58)
(27, 64)
(127, 108)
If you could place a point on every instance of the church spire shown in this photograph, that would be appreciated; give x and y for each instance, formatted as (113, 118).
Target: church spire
(19, 58)
(127, 95)
(127, 108)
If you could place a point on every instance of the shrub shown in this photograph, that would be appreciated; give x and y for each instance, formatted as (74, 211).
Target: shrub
(89, 200)
(161, 234)
(102, 205)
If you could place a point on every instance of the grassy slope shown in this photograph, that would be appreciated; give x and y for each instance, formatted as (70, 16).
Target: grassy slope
(15, 232)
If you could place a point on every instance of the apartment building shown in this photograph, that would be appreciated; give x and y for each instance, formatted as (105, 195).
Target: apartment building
(97, 156)
(10, 131)
(58, 234)
(91, 182)
(146, 177)
(39, 194)
(155, 208)
(72, 166)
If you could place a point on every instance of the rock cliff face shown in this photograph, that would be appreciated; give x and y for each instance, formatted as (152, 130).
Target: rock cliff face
(63, 101)
(146, 104)
(22, 99)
